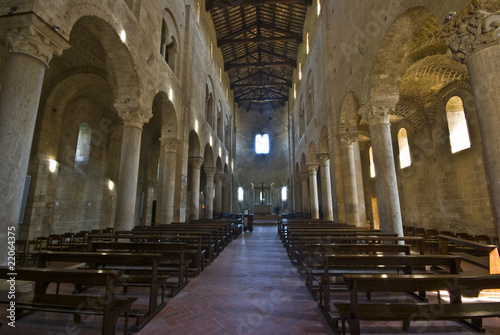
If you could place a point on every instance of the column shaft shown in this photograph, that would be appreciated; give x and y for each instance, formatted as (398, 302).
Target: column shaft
(168, 184)
(385, 180)
(30, 50)
(194, 182)
(305, 193)
(313, 190)
(209, 192)
(126, 197)
(219, 178)
(326, 186)
(350, 186)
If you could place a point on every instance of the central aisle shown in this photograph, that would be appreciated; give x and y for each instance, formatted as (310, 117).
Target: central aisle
(251, 288)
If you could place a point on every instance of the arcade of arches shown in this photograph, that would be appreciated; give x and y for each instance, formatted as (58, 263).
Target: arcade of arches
(125, 113)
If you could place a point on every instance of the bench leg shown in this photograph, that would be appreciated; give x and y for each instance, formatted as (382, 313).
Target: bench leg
(406, 325)
(77, 318)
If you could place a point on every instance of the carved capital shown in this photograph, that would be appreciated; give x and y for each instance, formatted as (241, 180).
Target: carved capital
(31, 36)
(324, 159)
(347, 139)
(210, 171)
(475, 28)
(196, 162)
(133, 116)
(219, 178)
(378, 112)
(312, 169)
(169, 144)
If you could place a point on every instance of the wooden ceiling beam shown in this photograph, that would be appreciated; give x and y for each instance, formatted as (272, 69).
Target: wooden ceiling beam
(261, 85)
(259, 40)
(259, 64)
(212, 4)
(263, 99)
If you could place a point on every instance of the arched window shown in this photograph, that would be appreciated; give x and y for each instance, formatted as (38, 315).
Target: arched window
(262, 144)
(83, 148)
(220, 122)
(240, 193)
(457, 125)
(404, 149)
(284, 192)
(209, 107)
(168, 45)
(372, 166)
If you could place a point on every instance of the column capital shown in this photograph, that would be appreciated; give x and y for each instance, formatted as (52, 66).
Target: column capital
(169, 144)
(31, 36)
(133, 115)
(197, 162)
(473, 29)
(210, 171)
(324, 159)
(312, 169)
(378, 112)
(219, 177)
(348, 138)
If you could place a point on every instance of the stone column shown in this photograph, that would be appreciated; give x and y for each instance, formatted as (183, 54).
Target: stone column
(160, 188)
(195, 164)
(31, 45)
(326, 186)
(474, 39)
(219, 179)
(209, 192)
(312, 170)
(304, 178)
(169, 149)
(134, 118)
(349, 175)
(377, 115)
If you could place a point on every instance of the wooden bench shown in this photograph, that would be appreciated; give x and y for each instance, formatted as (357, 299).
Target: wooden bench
(490, 262)
(335, 266)
(137, 269)
(313, 259)
(172, 263)
(195, 248)
(107, 305)
(468, 314)
(302, 244)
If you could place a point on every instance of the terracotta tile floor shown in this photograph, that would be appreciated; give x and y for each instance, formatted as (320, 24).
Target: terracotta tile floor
(251, 288)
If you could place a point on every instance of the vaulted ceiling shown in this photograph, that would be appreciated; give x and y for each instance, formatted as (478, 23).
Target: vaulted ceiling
(259, 40)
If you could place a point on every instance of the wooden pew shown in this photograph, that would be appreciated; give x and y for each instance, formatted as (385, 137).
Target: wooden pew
(292, 244)
(172, 261)
(335, 266)
(490, 262)
(302, 245)
(356, 311)
(313, 260)
(137, 269)
(210, 237)
(195, 249)
(107, 305)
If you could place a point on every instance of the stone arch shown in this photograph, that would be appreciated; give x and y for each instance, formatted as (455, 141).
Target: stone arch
(400, 47)
(311, 157)
(121, 67)
(302, 117)
(209, 102)
(194, 144)
(208, 155)
(349, 112)
(170, 38)
(461, 88)
(220, 121)
(309, 98)
(303, 163)
(163, 107)
(323, 141)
